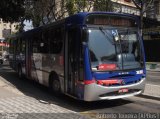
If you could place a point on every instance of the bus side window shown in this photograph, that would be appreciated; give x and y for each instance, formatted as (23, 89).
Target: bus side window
(55, 40)
(23, 46)
(44, 45)
(59, 39)
(39, 43)
(81, 63)
(51, 37)
(35, 44)
(18, 48)
(10, 46)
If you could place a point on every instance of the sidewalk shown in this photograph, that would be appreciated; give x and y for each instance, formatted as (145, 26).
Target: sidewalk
(15, 105)
(7, 90)
(152, 87)
(152, 90)
(153, 66)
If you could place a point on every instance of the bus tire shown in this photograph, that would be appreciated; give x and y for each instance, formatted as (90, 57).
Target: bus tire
(20, 74)
(54, 84)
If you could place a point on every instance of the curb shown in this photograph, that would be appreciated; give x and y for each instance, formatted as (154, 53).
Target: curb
(149, 97)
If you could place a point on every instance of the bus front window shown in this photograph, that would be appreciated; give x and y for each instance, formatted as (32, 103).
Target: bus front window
(114, 49)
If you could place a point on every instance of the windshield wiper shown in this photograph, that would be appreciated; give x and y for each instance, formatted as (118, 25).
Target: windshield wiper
(105, 34)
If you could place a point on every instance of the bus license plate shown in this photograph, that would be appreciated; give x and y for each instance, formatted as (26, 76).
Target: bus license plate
(124, 90)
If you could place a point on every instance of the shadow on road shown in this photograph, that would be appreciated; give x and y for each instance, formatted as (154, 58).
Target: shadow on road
(41, 93)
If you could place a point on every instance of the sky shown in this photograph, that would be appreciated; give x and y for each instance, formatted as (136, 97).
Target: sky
(28, 25)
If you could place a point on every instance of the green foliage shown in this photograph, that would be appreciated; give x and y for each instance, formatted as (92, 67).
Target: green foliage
(47, 11)
(11, 10)
(74, 6)
(103, 5)
(40, 10)
(52, 10)
(70, 7)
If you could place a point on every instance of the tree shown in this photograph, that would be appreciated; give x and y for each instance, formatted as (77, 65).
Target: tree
(143, 6)
(74, 6)
(11, 10)
(103, 5)
(43, 12)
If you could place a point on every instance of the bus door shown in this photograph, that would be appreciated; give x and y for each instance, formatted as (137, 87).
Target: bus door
(71, 60)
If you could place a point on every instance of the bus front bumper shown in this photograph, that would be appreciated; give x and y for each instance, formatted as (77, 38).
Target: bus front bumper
(94, 92)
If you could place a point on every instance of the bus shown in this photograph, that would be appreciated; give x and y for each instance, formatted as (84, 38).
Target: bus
(89, 56)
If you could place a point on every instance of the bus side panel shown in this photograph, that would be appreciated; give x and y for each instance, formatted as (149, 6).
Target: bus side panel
(47, 55)
(36, 69)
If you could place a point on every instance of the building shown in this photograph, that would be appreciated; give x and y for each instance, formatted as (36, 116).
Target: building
(125, 6)
(152, 23)
(151, 32)
(7, 29)
(157, 3)
(154, 10)
(121, 6)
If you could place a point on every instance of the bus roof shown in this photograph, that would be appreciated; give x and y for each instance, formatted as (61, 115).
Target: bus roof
(80, 17)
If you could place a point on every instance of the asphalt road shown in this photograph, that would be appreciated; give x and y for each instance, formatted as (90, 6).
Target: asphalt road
(15, 88)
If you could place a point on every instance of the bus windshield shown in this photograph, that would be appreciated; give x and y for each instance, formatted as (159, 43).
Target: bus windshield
(114, 49)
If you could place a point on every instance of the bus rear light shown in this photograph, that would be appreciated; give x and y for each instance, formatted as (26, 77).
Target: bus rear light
(87, 82)
(107, 67)
(110, 82)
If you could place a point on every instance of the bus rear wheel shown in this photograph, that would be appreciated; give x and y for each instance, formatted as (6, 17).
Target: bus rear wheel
(55, 85)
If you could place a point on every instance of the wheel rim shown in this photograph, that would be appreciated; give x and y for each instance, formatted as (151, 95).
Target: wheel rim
(56, 86)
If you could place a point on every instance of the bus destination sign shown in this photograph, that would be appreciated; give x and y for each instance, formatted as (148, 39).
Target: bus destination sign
(110, 20)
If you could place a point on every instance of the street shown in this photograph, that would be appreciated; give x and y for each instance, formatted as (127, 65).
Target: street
(101, 51)
(29, 99)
